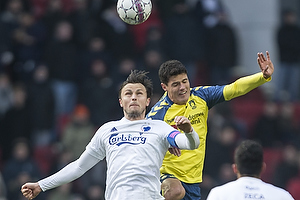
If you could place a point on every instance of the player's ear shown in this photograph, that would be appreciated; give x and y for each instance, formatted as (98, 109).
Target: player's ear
(148, 101)
(234, 168)
(120, 102)
(163, 86)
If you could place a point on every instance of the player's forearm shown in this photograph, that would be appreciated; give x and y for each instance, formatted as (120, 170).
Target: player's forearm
(69, 173)
(243, 85)
(188, 140)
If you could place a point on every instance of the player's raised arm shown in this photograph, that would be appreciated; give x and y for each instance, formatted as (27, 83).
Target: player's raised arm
(190, 140)
(265, 64)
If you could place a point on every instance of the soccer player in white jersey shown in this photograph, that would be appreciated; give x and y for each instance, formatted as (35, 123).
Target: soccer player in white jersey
(134, 148)
(248, 166)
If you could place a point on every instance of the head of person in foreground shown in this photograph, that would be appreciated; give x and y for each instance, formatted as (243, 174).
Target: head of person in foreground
(134, 95)
(248, 159)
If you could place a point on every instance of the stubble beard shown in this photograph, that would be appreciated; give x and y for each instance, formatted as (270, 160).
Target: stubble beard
(134, 114)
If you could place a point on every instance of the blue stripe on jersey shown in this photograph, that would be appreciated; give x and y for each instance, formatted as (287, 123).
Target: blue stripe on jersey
(171, 138)
(212, 95)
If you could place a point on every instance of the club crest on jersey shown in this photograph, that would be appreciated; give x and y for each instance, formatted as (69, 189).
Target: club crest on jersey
(119, 139)
(192, 104)
(146, 128)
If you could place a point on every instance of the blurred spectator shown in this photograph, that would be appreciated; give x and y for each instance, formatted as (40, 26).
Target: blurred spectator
(78, 132)
(20, 167)
(124, 67)
(41, 107)
(83, 23)
(288, 124)
(54, 13)
(182, 37)
(9, 19)
(28, 42)
(115, 32)
(154, 40)
(140, 32)
(61, 56)
(6, 94)
(16, 121)
(220, 151)
(92, 90)
(288, 168)
(96, 49)
(266, 128)
(152, 59)
(221, 44)
(288, 40)
(12, 12)
(207, 10)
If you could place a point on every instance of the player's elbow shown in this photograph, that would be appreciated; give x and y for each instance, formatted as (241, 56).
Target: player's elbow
(195, 145)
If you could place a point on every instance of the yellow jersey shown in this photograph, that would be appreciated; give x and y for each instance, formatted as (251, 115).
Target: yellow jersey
(189, 166)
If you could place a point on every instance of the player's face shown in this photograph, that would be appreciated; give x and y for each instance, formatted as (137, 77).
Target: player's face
(134, 101)
(178, 89)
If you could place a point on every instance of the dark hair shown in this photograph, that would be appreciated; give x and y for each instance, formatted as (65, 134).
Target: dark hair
(137, 76)
(248, 157)
(170, 68)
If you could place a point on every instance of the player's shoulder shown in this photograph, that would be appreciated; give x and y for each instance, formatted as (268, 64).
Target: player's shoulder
(108, 126)
(157, 122)
(208, 89)
(277, 190)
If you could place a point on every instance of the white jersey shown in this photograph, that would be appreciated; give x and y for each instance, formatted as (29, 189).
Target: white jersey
(248, 188)
(134, 151)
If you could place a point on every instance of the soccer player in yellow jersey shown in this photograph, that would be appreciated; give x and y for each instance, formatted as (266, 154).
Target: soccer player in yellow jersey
(180, 176)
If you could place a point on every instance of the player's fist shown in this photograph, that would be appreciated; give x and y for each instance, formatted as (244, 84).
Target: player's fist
(183, 124)
(30, 190)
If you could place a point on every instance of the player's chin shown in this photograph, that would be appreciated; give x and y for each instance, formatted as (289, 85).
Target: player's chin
(182, 99)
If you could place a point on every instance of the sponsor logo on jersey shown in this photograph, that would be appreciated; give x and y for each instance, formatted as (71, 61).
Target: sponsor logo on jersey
(119, 139)
(195, 118)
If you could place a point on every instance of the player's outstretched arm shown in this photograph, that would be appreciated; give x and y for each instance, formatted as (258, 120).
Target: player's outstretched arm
(265, 64)
(31, 190)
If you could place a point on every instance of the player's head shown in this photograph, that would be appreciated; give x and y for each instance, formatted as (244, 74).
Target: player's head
(174, 80)
(248, 159)
(134, 95)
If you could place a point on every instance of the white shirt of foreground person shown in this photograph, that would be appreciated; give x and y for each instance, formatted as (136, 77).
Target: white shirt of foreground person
(249, 188)
(134, 151)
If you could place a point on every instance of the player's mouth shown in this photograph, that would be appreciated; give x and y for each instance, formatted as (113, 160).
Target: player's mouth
(182, 93)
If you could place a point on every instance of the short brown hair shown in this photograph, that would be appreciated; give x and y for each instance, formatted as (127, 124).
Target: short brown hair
(170, 68)
(137, 76)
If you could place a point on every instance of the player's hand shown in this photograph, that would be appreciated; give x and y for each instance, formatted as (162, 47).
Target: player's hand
(183, 124)
(175, 151)
(265, 64)
(30, 190)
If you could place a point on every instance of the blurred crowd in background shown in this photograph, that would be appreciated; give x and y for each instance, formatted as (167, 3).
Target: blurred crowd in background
(61, 64)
